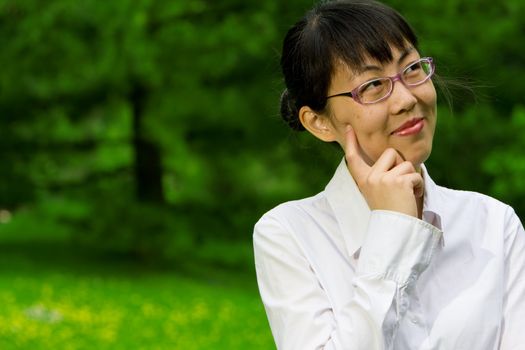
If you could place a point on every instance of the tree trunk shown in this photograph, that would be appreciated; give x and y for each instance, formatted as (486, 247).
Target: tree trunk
(148, 162)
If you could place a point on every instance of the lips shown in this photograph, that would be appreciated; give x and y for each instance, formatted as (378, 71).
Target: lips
(411, 127)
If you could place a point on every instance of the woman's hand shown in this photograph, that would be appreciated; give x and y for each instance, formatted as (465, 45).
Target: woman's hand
(390, 184)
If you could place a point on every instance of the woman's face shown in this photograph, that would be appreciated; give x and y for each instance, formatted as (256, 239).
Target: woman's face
(377, 126)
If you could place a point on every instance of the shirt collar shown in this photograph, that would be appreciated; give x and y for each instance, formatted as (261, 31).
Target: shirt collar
(352, 212)
(433, 203)
(349, 206)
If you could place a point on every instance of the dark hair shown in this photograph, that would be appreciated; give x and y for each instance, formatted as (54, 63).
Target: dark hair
(333, 31)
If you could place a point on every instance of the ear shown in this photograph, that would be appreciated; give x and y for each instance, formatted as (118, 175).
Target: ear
(318, 125)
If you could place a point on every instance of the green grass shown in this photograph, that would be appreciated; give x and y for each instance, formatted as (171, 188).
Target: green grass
(53, 297)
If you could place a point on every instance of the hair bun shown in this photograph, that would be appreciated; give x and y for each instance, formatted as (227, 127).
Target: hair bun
(289, 111)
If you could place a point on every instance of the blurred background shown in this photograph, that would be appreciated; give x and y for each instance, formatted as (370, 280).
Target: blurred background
(140, 141)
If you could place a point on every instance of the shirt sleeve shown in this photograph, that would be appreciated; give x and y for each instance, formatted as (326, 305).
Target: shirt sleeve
(513, 334)
(396, 250)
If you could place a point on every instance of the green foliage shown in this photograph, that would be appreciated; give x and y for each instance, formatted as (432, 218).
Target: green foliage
(88, 88)
(506, 161)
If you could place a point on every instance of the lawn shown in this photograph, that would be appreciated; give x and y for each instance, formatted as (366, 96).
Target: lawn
(54, 297)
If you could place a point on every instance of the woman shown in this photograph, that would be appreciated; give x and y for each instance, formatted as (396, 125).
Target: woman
(383, 258)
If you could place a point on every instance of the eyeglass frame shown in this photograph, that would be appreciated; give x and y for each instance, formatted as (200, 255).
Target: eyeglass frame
(398, 77)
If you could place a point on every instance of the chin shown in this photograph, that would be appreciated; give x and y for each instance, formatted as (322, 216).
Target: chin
(418, 159)
(416, 153)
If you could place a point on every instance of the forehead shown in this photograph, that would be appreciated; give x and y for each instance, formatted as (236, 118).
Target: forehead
(369, 63)
(344, 74)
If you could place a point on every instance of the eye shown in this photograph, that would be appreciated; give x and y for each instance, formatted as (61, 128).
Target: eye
(373, 90)
(413, 69)
(417, 72)
(371, 85)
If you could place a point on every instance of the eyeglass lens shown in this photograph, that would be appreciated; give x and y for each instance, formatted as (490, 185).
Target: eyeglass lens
(412, 75)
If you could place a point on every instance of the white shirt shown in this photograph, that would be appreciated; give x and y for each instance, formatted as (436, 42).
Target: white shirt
(334, 275)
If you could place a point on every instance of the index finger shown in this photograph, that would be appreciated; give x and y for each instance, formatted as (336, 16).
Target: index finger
(356, 164)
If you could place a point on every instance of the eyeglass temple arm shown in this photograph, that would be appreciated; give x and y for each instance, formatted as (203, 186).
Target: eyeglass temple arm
(349, 94)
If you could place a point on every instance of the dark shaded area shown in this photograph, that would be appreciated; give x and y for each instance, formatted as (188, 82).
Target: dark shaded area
(149, 132)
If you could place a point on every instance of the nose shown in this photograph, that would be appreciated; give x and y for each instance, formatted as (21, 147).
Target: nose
(402, 99)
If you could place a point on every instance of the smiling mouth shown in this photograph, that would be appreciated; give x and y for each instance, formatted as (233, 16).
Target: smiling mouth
(411, 127)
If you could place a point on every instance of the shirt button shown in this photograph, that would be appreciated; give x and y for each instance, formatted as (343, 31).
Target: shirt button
(414, 320)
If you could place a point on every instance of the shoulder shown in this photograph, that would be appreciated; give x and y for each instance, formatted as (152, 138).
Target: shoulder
(307, 225)
(468, 199)
(289, 214)
(477, 207)
(280, 234)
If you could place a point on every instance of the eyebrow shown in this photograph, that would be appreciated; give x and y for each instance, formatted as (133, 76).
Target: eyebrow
(403, 55)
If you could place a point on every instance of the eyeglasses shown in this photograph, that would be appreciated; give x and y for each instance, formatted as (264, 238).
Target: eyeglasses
(377, 90)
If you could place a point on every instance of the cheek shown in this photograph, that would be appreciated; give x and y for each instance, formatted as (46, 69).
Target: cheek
(371, 129)
(429, 96)
(372, 125)
(344, 114)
